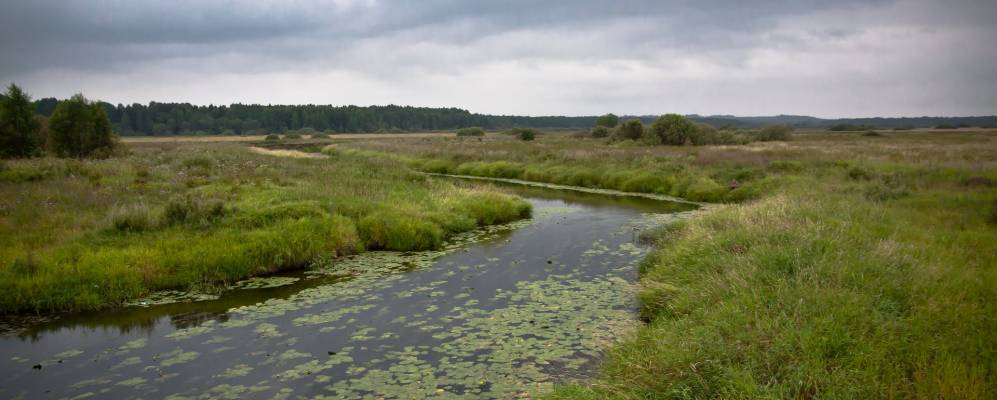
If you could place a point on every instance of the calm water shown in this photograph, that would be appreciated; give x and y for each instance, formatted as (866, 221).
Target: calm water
(501, 313)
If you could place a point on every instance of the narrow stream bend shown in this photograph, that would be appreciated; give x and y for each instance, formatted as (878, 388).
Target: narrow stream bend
(506, 314)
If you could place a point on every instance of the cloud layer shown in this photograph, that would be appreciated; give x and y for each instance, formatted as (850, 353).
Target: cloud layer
(829, 59)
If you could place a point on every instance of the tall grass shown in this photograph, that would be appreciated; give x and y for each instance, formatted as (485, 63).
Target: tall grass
(83, 235)
(854, 267)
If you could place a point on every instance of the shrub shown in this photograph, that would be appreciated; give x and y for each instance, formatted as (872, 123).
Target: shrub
(858, 173)
(131, 218)
(774, 133)
(272, 137)
(80, 128)
(599, 132)
(672, 129)
(292, 136)
(704, 134)
(631, 129)
(526, 134)
(871, 133)
(398, 231)
(472, 131)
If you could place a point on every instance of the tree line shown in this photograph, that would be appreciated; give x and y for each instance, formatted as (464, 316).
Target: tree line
(159, 119)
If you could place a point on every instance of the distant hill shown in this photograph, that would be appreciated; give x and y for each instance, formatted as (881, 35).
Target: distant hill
(188, 119)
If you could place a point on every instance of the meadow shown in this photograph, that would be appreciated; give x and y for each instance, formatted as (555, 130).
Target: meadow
(89, 234)
(841, 265)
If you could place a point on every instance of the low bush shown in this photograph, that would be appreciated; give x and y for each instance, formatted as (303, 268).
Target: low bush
(472, 131)
(292, 136)
(599, 132)
(704, 134)
(631, 129)
(672, 129)
(774, 133)
(272, 137)
(871, 133)
(321, 136)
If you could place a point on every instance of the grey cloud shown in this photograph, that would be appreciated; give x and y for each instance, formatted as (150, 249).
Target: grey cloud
(569, 53)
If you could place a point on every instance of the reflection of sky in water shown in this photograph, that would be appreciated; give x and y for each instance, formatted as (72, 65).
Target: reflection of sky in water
(506, 315)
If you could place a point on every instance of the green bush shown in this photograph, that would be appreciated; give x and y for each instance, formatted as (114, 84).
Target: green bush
(672, 129)
(292, 136)
(472, 131)
(704, 134)
(599, 132)
(272, 137)
(631, 129)
(774, 133)
(871, 133)
(526, 134)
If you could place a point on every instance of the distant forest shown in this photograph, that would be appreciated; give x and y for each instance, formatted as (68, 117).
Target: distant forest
(186, 119)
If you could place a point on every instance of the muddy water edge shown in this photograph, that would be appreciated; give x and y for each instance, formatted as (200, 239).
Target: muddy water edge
(503, 312)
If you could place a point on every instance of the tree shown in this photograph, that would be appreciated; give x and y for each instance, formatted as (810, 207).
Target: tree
(80, 128)
(630, 130)
(18, 125)
(673, 129)
(608, 120)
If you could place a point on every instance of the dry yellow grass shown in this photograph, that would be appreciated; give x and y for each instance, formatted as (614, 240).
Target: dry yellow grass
(257, 138)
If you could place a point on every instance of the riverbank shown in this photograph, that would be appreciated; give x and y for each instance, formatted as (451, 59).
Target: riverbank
(863, 267)
(90, 234)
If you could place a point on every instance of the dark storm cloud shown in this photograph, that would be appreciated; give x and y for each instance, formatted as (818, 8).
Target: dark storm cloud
(569, 56)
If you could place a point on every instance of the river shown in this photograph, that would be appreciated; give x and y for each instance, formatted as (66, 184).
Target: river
(499, 313)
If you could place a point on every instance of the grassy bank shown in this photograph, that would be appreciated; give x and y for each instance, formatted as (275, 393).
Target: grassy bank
(864, 269)
(82, 235)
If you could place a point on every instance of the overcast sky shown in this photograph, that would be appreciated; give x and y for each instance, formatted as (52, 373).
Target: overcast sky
(815, 57)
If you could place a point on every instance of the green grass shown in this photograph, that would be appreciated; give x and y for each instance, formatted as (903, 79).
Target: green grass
(85, 235)
(827, 293)
(851, 267)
